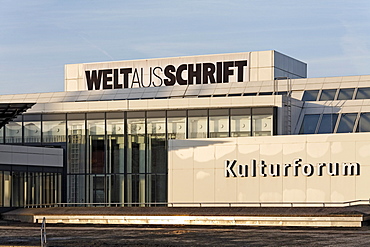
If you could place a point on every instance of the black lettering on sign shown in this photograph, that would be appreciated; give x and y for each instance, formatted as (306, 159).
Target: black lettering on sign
(125, 73)
(194, 73)
(156, 75)
(94, 80)
(179, 78)
(107, 78)
(171, 78)
(209, 70)
(240, 65)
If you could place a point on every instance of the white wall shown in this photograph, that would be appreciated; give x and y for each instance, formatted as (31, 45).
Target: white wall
(36, 156)
(262, 66)
(197, 169)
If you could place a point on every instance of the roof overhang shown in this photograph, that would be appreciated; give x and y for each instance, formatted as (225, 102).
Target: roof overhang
(9, 111)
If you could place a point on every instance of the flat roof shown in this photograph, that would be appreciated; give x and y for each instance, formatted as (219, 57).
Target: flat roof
(9, 111)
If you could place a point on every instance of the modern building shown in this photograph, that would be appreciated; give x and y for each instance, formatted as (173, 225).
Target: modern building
(239, 128)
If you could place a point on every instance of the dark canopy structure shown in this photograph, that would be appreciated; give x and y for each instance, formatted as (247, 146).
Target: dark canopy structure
(9, 111)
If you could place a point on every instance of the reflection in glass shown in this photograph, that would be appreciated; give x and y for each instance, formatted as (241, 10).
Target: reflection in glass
(156, 156)
(135, 186)
(309, 124)
(363, 93)
(262, 121)
(96, 132)
(364, 122)
(327, 124)
(327, 94)
(240, 122)
(197, 123)
(115, 135)
(219, 123)
(18, 189)
(310, 95)
(53, 131)
(2, 136)
(115, 139)
(32, 128)
(117, 194)
(13, 131)
(176, 124)
(346, 93)
(347, 122)
(7, 188)
(76, 152)
(1, 188)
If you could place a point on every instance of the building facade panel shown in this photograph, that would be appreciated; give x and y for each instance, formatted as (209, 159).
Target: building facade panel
(283, 170)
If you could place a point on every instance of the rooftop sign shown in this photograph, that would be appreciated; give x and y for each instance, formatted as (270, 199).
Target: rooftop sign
(192, 70)
(183, 74)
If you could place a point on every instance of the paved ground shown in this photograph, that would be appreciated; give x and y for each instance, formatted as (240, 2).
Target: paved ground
(24, 234)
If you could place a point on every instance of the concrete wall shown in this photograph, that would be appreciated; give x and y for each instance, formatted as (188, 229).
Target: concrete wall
(197, 169)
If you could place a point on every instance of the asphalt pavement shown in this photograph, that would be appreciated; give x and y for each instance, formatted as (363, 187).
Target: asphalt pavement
(27, 234)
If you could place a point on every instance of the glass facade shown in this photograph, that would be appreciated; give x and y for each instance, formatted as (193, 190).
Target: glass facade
(119, 158)
(363, 93)
(346, 93)
(364, 122)
(327, 123)
(328, 94)
(347, 122)
(309, 124)
(310, 95)
(28, 185)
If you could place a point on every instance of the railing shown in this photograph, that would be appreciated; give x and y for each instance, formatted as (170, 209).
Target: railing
(206, 204)
(43, 232)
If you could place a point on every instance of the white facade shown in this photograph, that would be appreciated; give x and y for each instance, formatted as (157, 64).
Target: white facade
(259, 66)
(303, 169)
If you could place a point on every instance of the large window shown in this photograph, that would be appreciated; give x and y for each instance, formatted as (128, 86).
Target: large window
(240, 120)
(13, 131)
(119, 157)
(136, 157)
(345, 93)
(310, 95)
(32, 128)
(115, 129)
(327, 124)
(156, 153)
(327, 94)
(262, 121)
(363, 93)
(219, 123)
(28, 185)
(54, 128)
(2, 134)
(176, 124)
(309, 124)
(347, 122)
(197, 123)
(76, 162)
(364, 122)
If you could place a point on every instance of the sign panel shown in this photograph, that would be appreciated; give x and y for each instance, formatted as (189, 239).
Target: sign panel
(283, 169)
(169, 75)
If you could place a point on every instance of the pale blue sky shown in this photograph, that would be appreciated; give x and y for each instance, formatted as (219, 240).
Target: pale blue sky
(38, 37)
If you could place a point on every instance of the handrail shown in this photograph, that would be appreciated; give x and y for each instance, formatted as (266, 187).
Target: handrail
(204, 204)
(43, 232)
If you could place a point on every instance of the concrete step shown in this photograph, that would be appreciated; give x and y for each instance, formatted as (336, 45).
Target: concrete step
(309, 217)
